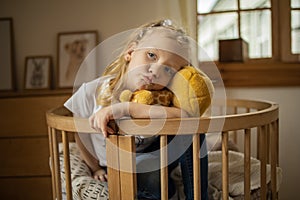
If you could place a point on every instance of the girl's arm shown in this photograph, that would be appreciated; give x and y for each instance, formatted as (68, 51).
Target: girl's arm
(99, 120)
(137, 110)
(92, 162)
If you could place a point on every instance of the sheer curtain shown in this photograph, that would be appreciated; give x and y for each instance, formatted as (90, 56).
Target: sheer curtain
(184, 12)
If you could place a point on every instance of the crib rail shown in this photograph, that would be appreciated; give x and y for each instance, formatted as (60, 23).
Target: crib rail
(261, 115)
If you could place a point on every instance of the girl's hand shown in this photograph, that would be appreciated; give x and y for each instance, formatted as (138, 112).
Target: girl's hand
(99, 120)
(100, 175)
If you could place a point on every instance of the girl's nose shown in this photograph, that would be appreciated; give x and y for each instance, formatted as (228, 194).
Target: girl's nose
(155, 70)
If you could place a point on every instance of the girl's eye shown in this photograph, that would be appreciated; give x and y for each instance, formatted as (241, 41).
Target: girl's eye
(152, 55)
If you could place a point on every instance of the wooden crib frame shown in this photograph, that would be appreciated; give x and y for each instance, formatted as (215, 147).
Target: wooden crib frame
(122, 185)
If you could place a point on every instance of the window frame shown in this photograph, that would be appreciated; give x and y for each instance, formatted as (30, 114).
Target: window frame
(282, 69)
(286, 55)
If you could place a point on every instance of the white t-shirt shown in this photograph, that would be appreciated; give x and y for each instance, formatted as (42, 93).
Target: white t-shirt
(83, 104)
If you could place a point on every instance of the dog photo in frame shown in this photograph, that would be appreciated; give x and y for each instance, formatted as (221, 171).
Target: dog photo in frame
(37, 72)
(73, 47)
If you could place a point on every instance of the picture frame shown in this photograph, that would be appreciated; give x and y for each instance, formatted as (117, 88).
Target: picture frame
(7, 80)
(37, 74)
(73, 48)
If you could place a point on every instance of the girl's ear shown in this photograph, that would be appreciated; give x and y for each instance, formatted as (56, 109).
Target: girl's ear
(129, 51)
(127, 57)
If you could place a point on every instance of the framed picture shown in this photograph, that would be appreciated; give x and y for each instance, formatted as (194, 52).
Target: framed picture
(37, 72)
(7, 81)
(73, 48)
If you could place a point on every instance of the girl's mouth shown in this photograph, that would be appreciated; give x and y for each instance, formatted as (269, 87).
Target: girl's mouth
(148, 84)
(148, 80)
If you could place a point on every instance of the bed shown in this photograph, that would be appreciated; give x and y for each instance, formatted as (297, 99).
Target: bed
(244, 163)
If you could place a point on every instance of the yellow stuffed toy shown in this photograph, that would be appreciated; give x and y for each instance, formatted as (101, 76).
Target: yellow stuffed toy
(189, 90)
(151, 97)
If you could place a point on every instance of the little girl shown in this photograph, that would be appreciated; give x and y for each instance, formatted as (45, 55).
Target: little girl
(152, 56)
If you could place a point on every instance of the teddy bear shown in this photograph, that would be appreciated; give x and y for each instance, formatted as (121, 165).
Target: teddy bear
(150, 97)
(189, 89)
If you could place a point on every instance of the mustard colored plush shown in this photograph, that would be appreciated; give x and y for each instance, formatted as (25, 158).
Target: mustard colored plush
(192, 90)
(150, 97)
(189, 90)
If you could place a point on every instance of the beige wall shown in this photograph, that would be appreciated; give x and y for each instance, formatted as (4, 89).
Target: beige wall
(36, 22)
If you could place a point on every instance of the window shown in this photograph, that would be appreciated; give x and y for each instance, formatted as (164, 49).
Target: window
(290, 30)
(270, 27)
(231, 19)
(295, 26)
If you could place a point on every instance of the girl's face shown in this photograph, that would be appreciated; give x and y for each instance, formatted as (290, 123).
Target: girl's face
(151, 69)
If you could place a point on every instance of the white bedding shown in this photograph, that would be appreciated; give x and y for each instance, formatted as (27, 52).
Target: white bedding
(85, 187)
(236, 174)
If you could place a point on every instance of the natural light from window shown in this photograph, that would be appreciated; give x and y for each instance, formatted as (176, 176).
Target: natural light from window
(230, 19)
(295, 26)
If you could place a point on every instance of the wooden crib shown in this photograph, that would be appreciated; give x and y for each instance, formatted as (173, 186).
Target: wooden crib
(244, 119)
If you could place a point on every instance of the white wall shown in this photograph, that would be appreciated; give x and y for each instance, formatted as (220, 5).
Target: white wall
(288, 99)
(36, 23)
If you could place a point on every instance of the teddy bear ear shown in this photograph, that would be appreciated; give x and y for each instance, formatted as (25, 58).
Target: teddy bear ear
(143, 96)
(125, 96)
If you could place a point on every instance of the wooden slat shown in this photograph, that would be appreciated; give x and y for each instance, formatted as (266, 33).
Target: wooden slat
(196, 166)
(67, 165)
(170, 126)
(247, 163)
(51, 163)
(235, 136)
(263, 164)
(225, 170)
(26, 188)
(112, 154)
(258, 143)
(268, 152)
(24, 157)
(127, 167)
(277, 137)
(164, 167)
(274, 156)
(201, 125)
(56, 165)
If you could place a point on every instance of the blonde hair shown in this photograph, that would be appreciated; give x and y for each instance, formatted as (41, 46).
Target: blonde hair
(111, 92)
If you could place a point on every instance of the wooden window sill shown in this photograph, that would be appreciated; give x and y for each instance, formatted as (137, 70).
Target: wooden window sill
(271, 74)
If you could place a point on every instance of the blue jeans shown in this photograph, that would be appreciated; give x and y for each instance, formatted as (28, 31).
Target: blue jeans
(186, 164)
(179, 151)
